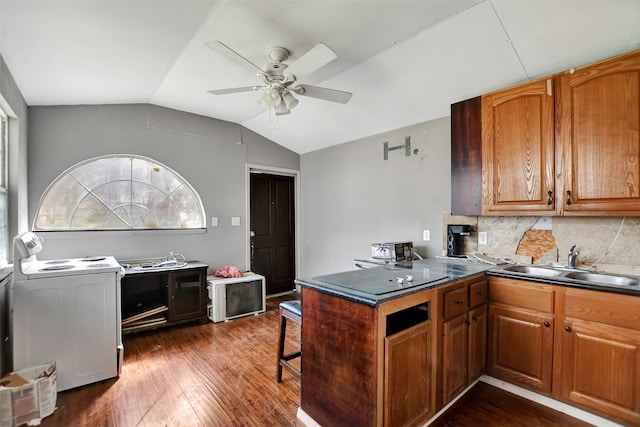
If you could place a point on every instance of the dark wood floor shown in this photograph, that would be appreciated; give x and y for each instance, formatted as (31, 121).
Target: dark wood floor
(222, 374)
(487, 406)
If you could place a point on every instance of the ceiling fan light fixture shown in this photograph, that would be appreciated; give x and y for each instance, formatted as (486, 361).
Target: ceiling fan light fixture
(289, 100)
(264, 101)
(281, 109)
(273, 96)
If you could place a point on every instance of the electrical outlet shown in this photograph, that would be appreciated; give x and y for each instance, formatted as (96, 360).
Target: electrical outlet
(426, 235)
(483, 238)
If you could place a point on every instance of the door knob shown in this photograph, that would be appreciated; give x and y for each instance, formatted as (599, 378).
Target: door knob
(252, 233)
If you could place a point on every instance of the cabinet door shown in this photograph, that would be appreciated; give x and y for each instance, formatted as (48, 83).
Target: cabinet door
(454, 357)
(466, 157)
(614, 355)
(477, 347)
(521, 347)
(408, 376)
(187, 294)
(598, 112)
(518, 145)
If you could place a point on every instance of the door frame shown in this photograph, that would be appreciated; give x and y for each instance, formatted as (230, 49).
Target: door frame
(251, 167)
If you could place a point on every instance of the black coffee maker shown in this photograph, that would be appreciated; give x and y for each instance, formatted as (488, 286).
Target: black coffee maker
(454, 239)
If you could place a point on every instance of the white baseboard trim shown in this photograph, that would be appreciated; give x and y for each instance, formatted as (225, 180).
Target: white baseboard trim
(550, 403)
(306, 419)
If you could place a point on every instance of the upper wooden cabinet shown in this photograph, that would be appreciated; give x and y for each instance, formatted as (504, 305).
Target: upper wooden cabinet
(564, 145)
(518, 150)
(598, 122)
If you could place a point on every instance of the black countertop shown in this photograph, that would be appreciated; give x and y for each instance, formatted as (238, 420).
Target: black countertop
(373, 286)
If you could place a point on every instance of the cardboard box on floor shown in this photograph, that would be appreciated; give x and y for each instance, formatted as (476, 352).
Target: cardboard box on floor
(28, 395)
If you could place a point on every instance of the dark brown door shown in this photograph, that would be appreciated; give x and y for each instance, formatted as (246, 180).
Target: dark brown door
(273, 230)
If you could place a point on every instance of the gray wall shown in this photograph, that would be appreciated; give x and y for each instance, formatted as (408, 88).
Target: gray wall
(210, 154)
(351, 197)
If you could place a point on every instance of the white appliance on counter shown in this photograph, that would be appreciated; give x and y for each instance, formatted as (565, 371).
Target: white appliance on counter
(67, 311)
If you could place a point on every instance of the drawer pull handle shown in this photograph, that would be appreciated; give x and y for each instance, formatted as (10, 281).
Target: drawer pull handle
(467, 322)
(459, 302)
(568, 197)
(546, 324)
(549, 198)
(567, 328)
(481, 294)
(475, 319)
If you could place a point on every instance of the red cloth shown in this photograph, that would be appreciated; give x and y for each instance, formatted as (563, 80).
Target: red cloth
(229, 271)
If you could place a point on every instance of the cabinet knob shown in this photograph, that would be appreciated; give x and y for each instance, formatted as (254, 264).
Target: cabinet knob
(475, 319)
(567, 328)
(546, 324)
(467, 322)
(568, 197)
(481, 294)
(459, 302)
(549, 198)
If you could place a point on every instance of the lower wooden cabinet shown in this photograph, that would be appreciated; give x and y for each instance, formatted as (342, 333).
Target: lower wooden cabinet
(600, 354)
(464, 336)
(521, 350)
(477, 342)
(408, 376)
(601, 369)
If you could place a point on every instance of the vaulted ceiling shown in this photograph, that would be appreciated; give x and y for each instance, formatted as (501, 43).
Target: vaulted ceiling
(405, 61)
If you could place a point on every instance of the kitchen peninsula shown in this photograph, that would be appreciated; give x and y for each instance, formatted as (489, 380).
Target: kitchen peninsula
(370, 342)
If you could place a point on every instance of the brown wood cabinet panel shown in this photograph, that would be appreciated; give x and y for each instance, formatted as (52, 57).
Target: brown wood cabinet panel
(455, 303)
(466, 157)
(606, 308)
(521, 293)
(518, 150)
(598, 116)
(454, 357)
(478, 293)
(601, 369)
(339, 347)
(477, 347)
(408, 373)
(521, 347)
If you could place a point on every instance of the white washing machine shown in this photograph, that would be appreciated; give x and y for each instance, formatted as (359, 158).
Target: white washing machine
(67, 311)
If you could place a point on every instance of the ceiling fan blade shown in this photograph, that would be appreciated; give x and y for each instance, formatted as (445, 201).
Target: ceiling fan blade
(323, 93)
(319, 56)
(233, 90)
(222, 48)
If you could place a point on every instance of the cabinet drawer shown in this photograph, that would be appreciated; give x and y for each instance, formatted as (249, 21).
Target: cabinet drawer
(478, 293)
(603, 307)
(455, 303)
(521, 293)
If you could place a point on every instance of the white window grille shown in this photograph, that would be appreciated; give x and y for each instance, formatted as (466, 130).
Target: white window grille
(119, 192)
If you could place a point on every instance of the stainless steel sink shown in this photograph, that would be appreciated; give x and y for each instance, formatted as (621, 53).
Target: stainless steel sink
(606, 279)
(534, 271)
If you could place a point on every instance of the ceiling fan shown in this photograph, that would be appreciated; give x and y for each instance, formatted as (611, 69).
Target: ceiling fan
(280, 80)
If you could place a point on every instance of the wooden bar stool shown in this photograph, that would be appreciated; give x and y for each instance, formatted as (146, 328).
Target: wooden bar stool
(291, 310)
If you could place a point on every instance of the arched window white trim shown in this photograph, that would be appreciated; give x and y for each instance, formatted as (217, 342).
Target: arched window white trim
(119, 192)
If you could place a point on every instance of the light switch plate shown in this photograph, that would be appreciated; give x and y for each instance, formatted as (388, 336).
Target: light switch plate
(214, 221)
(235, 220)
(426, 235)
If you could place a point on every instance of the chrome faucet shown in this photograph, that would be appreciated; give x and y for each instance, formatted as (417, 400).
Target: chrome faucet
(573, 256)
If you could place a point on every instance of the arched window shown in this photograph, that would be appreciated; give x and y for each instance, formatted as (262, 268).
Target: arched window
(119, 192)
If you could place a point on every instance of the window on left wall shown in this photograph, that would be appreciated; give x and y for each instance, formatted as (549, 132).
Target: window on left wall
(119, 192)
(4, 195)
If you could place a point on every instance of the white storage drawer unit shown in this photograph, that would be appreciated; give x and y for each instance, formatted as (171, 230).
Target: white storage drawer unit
(236, 297)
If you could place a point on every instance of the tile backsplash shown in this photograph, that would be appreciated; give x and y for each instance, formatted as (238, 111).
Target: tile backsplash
(612, 243)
